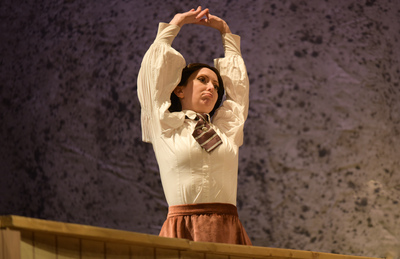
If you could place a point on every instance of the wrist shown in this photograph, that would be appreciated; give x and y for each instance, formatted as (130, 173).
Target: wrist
(224, 28)
(177, 20)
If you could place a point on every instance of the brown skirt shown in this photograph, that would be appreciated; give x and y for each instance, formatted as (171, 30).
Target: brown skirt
(206, 222)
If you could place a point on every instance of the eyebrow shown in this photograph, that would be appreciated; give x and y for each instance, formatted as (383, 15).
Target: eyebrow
(214, 81)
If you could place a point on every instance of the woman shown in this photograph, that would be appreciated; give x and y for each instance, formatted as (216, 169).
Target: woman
(199, 179)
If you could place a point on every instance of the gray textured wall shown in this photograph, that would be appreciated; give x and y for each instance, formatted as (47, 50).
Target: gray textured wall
(319, 169)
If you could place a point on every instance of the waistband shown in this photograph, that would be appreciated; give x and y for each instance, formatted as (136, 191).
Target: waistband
(202, 208)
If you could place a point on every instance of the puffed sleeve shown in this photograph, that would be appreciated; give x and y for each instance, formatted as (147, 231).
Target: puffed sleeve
(231, 116)
(159, 74)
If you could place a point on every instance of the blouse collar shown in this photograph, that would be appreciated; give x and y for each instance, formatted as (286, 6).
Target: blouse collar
(190, 114)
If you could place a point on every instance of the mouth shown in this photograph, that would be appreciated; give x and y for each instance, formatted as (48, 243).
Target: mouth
(208, 95)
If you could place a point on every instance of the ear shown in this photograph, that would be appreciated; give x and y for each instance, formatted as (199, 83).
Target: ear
(178, 91)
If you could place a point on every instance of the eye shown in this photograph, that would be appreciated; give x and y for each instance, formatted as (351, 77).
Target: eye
(216, 86)
(202, 79)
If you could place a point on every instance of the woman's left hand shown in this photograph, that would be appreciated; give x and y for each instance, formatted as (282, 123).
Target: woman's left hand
(216, 23)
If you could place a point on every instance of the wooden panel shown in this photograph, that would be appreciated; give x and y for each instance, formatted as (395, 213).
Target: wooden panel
(38, 245)
(90, 232)
(27, 245)
(10, 244)
(214, 256)
(140, 252)
(44, 246)
(12, 241)
(240, 257)
(2, 252)
(68, 248)
(192, 255)
(166, 254)
(117, 251)
(92, 249)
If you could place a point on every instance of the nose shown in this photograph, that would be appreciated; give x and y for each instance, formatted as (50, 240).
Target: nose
(210, 87)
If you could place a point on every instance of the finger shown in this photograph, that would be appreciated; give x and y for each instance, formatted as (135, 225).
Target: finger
(198, 10)
(202, 13)
(203, 22)
(210, 17)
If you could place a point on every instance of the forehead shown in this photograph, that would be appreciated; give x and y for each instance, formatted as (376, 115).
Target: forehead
(207, 72)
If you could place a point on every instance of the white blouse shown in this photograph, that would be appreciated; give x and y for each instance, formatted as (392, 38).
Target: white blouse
(188, 173)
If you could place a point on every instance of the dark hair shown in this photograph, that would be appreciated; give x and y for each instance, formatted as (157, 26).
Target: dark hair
(186, 73)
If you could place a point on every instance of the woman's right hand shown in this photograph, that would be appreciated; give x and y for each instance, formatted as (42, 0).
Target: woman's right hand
(192, 16)
(216, 23)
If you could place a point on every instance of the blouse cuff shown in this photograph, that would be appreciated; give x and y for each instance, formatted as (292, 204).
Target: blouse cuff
(231, 44)
(167, 32)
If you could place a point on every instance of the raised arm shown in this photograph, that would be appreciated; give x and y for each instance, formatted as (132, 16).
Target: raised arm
(231, 116)
(159, 74)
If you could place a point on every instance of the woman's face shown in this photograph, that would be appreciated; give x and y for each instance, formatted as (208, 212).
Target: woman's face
(201, 92)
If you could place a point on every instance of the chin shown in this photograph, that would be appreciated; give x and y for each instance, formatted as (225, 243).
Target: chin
(204, 110)
(205, 107)
(208, 110)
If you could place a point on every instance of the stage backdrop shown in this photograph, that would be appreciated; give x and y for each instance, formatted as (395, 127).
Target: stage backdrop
(319, 168)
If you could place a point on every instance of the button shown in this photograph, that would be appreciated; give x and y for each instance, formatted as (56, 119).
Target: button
(204, 128)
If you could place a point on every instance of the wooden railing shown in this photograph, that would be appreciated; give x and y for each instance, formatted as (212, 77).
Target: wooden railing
(29, 238)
